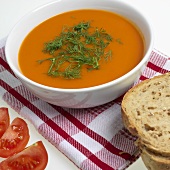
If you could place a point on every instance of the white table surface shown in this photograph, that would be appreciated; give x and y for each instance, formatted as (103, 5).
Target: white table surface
(12, 10)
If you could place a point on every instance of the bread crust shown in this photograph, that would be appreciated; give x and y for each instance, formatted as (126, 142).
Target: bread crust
(128, 125)
(126, 120)
(154, 149)
(154, 162)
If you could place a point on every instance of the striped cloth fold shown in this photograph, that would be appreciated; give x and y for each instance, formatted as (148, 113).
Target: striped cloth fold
(92, 138)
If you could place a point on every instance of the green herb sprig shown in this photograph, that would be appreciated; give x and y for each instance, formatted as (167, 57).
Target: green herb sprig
(75, 48)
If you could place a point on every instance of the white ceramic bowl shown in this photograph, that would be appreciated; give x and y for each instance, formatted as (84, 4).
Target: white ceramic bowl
(85, 97)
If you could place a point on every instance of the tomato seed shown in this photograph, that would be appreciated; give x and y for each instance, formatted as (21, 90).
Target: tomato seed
(16, 128)
(2, 143)
(13, 163)
(35, 162)
(8, 144)
(13, 143)
(20, 136)
(31, 166)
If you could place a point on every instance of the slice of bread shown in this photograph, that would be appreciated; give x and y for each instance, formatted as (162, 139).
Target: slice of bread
(146, 113)
(154, 161)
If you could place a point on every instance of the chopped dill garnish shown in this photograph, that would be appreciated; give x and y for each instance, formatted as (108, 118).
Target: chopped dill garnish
(75, 47)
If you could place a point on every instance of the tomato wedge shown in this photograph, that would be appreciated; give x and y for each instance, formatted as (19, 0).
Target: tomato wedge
(15, 138)
(4, 120)
(34, 157)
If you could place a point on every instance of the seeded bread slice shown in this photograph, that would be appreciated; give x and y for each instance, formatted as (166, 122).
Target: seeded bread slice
(146, 113)
(155, 161)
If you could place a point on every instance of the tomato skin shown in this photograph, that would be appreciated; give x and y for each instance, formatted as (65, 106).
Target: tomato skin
(34, 157)
(15, 138)
(4, 120)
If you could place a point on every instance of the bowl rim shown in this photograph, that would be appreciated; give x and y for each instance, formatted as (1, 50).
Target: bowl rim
(87, 89)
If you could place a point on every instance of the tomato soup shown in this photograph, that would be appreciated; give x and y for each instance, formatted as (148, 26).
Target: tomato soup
(127, 49)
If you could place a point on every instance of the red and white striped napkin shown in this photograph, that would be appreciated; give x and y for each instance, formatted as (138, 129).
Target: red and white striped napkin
(93, 138)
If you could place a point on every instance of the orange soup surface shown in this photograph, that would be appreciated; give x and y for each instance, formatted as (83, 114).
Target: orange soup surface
(125, 55)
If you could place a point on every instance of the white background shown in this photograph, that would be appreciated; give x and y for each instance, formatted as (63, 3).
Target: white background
(158, 12)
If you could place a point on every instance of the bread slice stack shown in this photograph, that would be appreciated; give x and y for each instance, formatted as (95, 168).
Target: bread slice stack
(146, 114)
